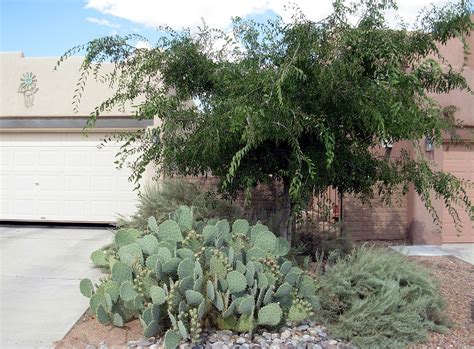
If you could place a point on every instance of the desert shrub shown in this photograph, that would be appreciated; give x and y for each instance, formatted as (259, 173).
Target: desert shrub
(185, 274)
(315, 241)
(379, 299)
(161, 199)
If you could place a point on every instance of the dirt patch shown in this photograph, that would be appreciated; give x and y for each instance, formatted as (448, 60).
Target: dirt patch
(88, 331)
(456, 279)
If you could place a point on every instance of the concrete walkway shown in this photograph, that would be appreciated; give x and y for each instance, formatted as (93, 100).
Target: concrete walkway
(40, 272)
(464, 252)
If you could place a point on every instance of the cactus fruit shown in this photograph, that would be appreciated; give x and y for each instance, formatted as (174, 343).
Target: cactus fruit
(169, 230)
(270, 315)
(86, 287)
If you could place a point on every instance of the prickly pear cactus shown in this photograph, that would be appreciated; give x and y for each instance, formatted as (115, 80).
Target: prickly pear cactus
(181, 274)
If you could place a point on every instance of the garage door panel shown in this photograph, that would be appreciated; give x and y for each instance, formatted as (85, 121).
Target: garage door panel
(62, 178)
(75, 183)
(459, 160)
(77, 159)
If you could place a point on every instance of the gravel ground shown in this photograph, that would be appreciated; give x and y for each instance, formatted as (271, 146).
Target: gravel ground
(89, 334)
(456, 279)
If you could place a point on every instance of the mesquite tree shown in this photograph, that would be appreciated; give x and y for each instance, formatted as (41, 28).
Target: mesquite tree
(302, 103)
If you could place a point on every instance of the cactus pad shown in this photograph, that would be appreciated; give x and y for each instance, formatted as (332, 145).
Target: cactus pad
(240, 226)
(117, 320)
(99, 258)
(127, 291)
(152, 225)
(131, 254)
(270, 315)
(282, 247)
(169, 230)
(87, 289)
(247, 305)
(158, 295)
(152, 329)
(185, 268)
(182, 330)
(172, 339)
(185, 218)
(102, 315)
(125, 237)
(121, 272)
(236, 282)
(193, 297)
(148, 244)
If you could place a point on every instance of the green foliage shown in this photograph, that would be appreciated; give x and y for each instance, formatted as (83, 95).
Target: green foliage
(163, 198)
(316, 242)
(187, 280)
(307, 103)
(379, 299)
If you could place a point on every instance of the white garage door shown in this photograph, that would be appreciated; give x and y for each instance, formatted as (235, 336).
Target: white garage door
(61, 177)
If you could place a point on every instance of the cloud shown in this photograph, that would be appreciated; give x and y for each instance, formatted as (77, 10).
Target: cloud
(218, 13)
(102, 21)
(143, 44)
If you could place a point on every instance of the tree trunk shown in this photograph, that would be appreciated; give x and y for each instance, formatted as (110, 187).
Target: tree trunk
(286, 222)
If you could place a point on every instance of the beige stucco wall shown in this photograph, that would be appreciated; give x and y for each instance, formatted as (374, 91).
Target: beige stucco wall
(422, 229)
(55, 88)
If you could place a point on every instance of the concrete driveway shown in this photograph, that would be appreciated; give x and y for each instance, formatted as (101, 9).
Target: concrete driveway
(41, 268)
(464, 252)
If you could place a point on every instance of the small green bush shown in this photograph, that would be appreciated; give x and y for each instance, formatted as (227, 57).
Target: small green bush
(378, 299)
(185, 274)
(315, 242)
(161, 199)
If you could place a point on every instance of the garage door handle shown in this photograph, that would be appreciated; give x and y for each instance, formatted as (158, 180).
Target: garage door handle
(36, 183)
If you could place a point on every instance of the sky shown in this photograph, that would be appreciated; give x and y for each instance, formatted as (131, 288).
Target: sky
(50, 27)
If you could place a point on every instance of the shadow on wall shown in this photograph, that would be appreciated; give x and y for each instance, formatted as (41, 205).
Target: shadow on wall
(375, 221)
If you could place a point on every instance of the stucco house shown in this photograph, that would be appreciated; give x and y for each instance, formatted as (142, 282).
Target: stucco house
(51, 171)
